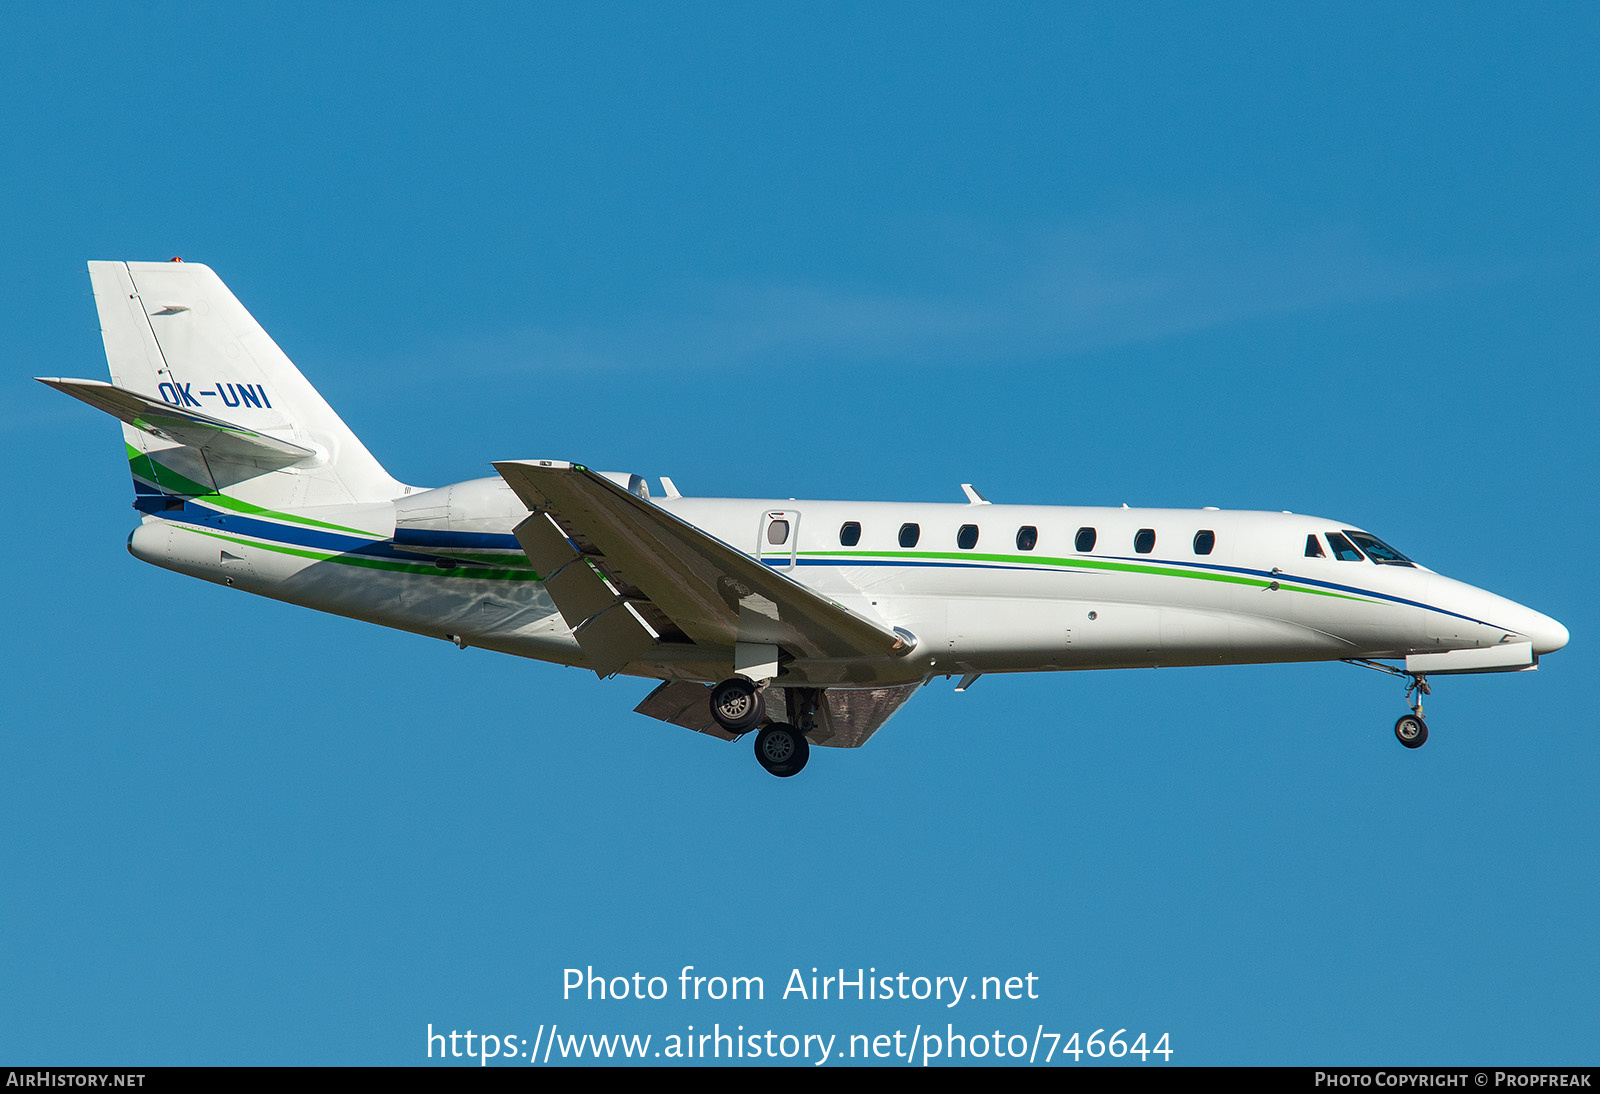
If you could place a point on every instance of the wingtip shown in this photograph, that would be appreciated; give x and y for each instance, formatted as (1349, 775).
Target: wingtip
(559, 464)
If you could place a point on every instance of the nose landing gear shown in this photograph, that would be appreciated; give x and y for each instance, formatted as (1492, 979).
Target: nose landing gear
(1410, 730)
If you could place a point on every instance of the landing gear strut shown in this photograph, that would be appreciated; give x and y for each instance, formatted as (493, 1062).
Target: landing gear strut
(738, 707)
(1410, 730)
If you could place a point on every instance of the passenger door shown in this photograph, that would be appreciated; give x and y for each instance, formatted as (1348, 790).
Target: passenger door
(779, 537)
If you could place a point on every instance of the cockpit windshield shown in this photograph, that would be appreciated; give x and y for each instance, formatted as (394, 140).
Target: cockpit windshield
(1377, 550)
(1343, 549)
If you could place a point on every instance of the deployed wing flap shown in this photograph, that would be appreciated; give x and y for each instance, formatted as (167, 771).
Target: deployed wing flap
(546, 546)
(845, 717)
(684, 703)
(716, 594)
(854, 714)
(614, 637)
(610, 631)
(213, 436)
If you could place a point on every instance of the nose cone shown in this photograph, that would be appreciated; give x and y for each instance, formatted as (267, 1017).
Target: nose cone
(1548, 635)
(1457, 602)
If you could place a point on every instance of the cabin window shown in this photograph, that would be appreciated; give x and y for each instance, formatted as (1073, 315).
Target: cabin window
(1204, 541)
(909, 534)
(1343, 549)
(1314, 547)
(850, 533)
(778, 532)
(1085, 540)
(1377, 550)
(1027, 537)
(1145, 541)
(967, 538)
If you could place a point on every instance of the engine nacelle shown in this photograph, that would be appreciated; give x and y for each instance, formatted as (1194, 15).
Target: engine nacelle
(444, 516)
(633, 484)
(450, 515)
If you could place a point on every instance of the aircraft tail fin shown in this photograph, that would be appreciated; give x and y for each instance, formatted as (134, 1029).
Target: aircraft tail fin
(209, 403)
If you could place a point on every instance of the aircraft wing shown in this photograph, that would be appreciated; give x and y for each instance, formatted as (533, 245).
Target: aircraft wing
(188, 427)
(627, 575)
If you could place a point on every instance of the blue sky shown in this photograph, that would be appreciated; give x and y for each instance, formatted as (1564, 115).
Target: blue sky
(1332, 261)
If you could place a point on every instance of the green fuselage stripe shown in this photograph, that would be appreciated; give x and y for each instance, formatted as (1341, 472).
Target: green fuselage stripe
(169, 481)
(1041, 561)
(420, 568)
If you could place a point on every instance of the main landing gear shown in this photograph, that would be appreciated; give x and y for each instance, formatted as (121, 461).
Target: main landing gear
(782, 749)
(1410, 730)
(737, 706)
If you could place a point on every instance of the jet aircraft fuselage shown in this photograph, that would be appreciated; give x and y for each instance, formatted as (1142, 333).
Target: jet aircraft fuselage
(811, 621)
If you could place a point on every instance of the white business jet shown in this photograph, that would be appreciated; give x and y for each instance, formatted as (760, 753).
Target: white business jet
(807, 622)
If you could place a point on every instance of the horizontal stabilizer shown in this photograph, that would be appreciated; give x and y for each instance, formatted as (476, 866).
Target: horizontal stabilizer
(213, 436)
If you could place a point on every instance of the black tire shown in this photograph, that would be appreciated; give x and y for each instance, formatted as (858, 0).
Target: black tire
(737, 706)
(1411, 731)
(782, 749)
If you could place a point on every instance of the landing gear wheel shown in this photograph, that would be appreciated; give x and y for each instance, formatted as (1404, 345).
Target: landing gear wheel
(1411, 731)
(782, 749)
(737, 706)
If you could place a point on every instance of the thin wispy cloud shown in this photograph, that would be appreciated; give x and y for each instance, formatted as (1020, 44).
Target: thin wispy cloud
(1061, 292)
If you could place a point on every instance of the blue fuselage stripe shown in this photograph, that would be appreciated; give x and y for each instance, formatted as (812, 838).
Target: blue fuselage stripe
(1266, 575)
(459, 541)
(301, 536)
